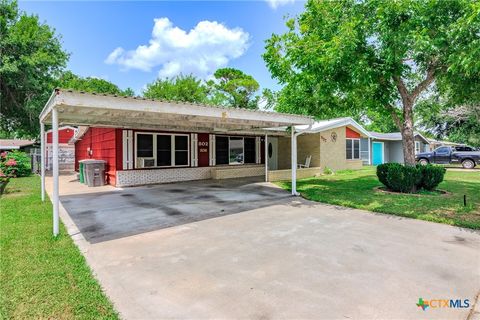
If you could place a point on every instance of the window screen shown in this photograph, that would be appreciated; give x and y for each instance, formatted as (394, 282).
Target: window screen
(250, 150)
(236, 150)
(221, 150)
(164, 150)
(144, 145)
(181, 150)
(349, 148)
(356, 149)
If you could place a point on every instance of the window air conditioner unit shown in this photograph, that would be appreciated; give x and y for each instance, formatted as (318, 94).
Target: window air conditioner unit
(146, 162)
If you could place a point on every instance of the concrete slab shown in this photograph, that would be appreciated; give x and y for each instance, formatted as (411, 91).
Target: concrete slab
(112, 214)
(290, 259)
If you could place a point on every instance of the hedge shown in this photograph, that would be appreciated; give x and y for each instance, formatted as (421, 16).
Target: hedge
(410, 179)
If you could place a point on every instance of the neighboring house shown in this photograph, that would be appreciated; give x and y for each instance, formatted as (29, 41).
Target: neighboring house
(388, 147)
(17, 144)
(334, 144)
(434, 144)
(66, 150)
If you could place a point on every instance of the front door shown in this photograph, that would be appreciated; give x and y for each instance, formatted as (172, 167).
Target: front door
(272, 153)
(377, 153)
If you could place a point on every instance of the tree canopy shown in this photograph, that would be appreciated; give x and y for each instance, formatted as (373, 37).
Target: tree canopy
(185, 88)
(69, 80)
(31, 58)
(229, 88)
(341, 57)
(238, 88)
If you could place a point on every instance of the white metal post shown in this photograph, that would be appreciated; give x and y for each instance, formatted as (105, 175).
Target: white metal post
(42, 157)
(266, 157)
(294, 161)
(369, 151)
(55, 199)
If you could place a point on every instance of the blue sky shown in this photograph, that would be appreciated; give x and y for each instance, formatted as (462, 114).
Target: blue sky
(189, 37)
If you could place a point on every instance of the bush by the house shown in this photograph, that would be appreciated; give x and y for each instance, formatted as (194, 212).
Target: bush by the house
(432, 176)
(409, 179)
(15, 164)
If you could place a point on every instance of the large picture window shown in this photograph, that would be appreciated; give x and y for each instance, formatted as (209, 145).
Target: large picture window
(235, 150)
(353, 149)
(161, 150)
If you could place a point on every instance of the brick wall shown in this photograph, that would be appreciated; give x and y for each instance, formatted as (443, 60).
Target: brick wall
(127, 178)
(238, 172)
(281, 175)
(284, 153)
(333, 153)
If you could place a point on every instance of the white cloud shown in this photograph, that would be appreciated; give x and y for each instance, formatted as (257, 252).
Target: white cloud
(277, 3)
(208, 46)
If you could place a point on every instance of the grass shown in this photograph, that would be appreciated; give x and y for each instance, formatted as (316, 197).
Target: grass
(358, 189)
(42, 277)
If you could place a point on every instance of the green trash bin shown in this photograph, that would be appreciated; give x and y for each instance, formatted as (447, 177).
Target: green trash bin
(80, 168)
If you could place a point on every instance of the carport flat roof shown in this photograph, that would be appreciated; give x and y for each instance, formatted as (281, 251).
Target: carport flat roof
(92, 109)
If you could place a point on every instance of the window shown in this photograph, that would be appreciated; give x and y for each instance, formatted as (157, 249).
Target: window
(145, 145)
(417, 146)
(250, 151)
(443, 150)
(352, 149)
(221, 150)
(161, 150)
(235, 150)
(181, 150)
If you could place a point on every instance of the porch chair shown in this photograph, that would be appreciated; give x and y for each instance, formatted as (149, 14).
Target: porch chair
(307, 163)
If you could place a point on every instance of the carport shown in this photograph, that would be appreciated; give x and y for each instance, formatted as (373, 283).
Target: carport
(66, 107)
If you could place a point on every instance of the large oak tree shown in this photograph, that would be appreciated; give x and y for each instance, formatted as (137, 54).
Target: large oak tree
(384, 56)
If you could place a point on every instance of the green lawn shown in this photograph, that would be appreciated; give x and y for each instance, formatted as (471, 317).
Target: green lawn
(357, 189)
(42, 277)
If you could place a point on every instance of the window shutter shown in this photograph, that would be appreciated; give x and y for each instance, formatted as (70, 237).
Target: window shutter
(127, 149)
(211, 148)
(194, 150)
(258, 143)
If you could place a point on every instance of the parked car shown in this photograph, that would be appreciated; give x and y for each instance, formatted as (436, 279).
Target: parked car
(467, 156)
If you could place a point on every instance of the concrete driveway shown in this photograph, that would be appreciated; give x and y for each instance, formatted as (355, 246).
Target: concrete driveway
(268, 256)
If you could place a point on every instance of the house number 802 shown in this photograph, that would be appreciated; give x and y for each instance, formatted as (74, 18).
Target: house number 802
(203, 144)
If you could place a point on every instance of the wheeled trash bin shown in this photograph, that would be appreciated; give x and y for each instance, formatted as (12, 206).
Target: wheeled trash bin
(94, 172)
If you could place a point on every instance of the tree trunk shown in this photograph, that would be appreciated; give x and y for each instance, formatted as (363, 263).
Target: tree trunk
(408, 137)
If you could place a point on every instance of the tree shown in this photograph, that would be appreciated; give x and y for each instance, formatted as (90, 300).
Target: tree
(237, 87)
(459, 124)
(69, 80)
(181, 88)
(377, 55)
(31, 57)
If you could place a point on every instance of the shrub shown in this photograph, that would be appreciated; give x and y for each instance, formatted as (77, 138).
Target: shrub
(432, 176)
(15, 164)
(382, 172)
(408, 179)
(327, 170)
(403, 178)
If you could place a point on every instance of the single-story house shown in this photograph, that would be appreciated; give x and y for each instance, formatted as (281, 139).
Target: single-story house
(150, 141)
(65, 148)
(388, 147)
(17, 144)
(434, 144)
(334, 144)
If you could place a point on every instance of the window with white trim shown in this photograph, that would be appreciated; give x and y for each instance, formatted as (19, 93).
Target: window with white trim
(417, 146)
(352, 149)
(234, 150)
(160, 150)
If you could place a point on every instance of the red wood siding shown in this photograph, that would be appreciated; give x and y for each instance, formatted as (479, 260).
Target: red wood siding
(203, 150)
(103, 143)
(64, 135)
(351, 134)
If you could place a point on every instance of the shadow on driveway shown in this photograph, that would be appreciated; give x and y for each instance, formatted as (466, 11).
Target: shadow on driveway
(111, 215)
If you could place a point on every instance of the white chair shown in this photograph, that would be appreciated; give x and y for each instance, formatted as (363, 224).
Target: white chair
(307, 163)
